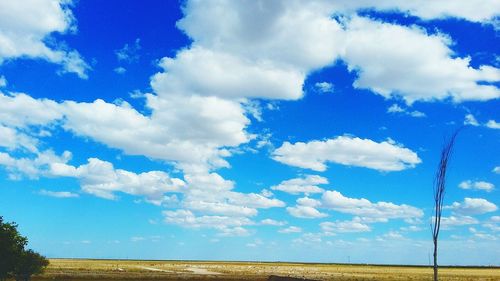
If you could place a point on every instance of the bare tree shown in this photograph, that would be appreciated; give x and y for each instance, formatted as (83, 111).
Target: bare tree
(439, 192)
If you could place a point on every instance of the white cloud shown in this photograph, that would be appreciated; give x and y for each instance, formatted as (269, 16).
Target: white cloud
(470, 120)
(364, 208)
(266, 193)
(451, 221)
(32, 167)
(234, 231)
(210, 193)
(472, 206)
(309, 202)
(195, 120)
(478, 185)
(13, 139)
(422, 63)
(272, 222)
(26, 26)
(482, 235)
(21, 110)
(231, 77)
(347, 150)
(492, 124)
(308, 184)
(344, 227)
(492, 227)
(306, 208)
(101, 179)
(220, 208)
(411, 228)
(129, 53)
(324, 87)
(120, 126)
(186, 130)
(391, 235)
(287, 33)
(471, 10)
(58, 194)
(496, 170)
(395, 108)
(305, 212)
(417, 114)
(120, 70)
(227, 226)
(308, 239)
(300, 37)
(290, 229)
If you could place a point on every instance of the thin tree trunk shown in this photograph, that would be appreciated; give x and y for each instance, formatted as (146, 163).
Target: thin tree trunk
(439, 192)
(435, 260)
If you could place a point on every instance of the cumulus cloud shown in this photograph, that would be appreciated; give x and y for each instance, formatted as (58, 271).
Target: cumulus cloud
(305, 212)
(129, 52)
(477, 185)
(120, 70)
(227, 226)
(470, 120)
(220, 208)
(472, 206)
(272, 222)
(26, 26)
(58, 194)
(21, 110)
(422, 62)
(196, 151)
(306, 208)
(33, 166)
(451, 221)
(224, 42)
(395, 108)
(258, 50)
(411, 228)
(212, 194)
(101, 179)
(13, 139)
(291, 35)
(324, 87)
(496, 170)
(290, 229)
(382, 211)
(245, 62)
(492, 124)
(347, 150)
(344, 227)
(308, 184)
(475, 10)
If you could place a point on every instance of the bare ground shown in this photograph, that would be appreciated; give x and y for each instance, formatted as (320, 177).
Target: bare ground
(84, 270)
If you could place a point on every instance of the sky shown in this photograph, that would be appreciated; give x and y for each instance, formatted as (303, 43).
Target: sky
(250, 130)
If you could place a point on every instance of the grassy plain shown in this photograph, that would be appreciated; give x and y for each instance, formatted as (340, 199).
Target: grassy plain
(84, 270)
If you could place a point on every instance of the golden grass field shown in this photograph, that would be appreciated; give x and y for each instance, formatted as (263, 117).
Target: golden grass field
(81, 269)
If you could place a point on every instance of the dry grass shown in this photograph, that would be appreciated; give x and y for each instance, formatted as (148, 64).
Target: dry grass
(69, 269)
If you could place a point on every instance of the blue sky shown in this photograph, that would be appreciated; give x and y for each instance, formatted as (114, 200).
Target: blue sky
(237, 130)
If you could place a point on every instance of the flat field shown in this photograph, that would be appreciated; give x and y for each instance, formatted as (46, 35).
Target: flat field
(82, 269)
